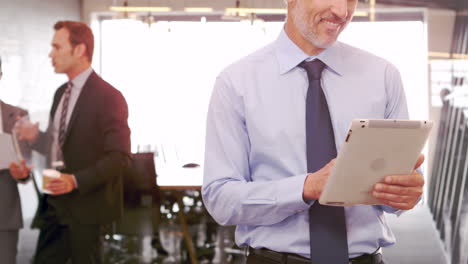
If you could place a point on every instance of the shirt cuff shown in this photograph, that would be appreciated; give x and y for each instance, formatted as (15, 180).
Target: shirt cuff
(395, 211)
(391, 210)
(290, 191)
(25, 180)
(74, 180)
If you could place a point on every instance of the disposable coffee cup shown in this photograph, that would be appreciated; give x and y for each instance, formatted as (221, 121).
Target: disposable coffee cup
(47, 176)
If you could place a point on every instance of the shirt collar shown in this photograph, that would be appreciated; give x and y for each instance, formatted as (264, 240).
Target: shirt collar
(80, 79)
(290, 55)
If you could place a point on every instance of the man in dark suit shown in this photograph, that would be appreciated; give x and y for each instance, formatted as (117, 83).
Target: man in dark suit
(88, 141)
(11, 219)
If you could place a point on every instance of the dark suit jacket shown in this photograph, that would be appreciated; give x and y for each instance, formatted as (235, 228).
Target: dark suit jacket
(96, 150)
(10, 204)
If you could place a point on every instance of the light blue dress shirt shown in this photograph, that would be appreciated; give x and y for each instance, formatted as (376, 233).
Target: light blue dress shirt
(78, 84)
(255, 156)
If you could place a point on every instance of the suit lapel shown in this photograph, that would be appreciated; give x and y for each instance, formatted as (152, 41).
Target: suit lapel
(56, 102)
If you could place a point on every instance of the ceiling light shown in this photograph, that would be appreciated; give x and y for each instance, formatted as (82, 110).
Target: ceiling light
(361, 13)
(447, 55)
(256, 10)
(198, 9)
(372, 10)
(140, 9)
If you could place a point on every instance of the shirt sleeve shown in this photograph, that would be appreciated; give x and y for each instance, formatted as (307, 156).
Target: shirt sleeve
(396, 109)
(230, 194)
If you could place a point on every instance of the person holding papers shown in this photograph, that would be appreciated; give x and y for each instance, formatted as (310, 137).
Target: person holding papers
(275, 123)
(88, 141)
(11, 219)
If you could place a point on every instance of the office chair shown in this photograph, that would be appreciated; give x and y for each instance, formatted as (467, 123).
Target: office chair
(131, 236)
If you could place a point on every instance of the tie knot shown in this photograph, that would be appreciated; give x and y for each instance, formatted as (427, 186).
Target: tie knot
(68, 88)
(314, 68)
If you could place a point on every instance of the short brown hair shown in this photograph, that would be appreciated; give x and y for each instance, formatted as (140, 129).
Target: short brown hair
(80, 33)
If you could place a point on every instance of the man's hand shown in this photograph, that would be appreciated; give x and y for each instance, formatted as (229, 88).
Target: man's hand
(401, 191)
(19, 171)
(315, 182)
(27, 130)
(61, 185)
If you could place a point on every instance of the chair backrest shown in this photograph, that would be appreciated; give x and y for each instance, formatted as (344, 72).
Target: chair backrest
(140, 180)
(141, 198)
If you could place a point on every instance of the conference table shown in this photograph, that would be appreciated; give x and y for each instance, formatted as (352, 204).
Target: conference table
(182, 186)
(179, 179)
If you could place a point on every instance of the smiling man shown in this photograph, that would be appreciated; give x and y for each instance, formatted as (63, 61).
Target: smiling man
(275, 124)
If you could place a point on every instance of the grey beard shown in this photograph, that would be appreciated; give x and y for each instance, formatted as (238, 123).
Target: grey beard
(300, 20)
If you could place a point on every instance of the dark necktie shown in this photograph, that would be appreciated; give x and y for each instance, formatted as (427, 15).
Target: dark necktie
(63, 120)
(328, 240)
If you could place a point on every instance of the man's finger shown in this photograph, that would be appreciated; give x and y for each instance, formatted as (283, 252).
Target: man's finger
(330, 164)
(55, 181)
(54, 188)
(13, 166)
(419, 161)
(58, 186)
(56, 192)
(412, 180)
(394, 197)
(397, 189)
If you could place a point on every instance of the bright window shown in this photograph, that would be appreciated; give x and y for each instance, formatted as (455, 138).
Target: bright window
(167, 71)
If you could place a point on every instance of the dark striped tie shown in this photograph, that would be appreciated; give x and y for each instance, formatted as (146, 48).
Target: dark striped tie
(328, 240)
(63, 120)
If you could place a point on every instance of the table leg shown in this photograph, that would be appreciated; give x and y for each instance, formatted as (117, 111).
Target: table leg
(185, 231)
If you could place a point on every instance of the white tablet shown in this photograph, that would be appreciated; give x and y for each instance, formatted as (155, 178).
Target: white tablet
(373, 149)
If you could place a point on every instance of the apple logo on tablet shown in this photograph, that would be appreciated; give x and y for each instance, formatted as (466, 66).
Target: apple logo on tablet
(378, 164)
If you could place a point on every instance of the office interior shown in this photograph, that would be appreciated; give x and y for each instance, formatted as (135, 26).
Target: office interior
(165, 59)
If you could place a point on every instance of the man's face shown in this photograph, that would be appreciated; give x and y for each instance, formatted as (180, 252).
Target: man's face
(321, 21)
(63, 53)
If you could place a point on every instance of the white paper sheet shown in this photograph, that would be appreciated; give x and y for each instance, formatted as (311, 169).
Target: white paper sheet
(7, 151)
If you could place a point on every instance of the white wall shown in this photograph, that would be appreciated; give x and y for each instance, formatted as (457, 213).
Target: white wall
(440, 27)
